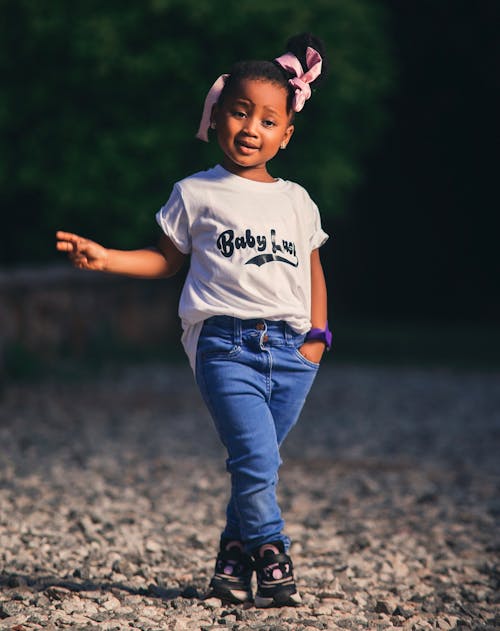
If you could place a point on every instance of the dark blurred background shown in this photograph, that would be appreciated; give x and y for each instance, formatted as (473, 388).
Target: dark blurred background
(100, 103)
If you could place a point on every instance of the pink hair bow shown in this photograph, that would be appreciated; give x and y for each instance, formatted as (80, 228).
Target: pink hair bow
(210, 100)
(301, 81)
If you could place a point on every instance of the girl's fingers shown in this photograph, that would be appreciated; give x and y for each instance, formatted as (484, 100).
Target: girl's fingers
(82, 253)
(69, 242)
(67, 236)
(65, 246)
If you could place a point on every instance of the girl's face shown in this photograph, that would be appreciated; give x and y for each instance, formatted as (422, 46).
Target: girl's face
(252, 123)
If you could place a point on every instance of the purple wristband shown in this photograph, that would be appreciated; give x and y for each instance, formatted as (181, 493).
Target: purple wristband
(321, 335)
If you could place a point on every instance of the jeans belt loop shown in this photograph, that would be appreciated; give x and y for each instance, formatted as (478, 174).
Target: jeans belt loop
(237, 332)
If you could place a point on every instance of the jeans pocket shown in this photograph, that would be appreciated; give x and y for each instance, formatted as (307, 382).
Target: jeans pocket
(217, 348)
(306, 361)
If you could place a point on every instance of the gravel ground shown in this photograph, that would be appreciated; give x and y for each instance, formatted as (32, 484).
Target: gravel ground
(112, 493)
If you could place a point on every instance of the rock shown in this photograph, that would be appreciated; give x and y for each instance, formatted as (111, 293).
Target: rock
(322, 610)
(72, 605)
(387, 606)
(10, 609)
(212, 603)
(308, 599)
(110, 603)
(57, 593)
(11, 622)
(361, 600)
(403, 612)
(153, 546)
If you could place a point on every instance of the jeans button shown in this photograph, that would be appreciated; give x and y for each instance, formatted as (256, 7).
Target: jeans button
(260, 326)
(265, 339)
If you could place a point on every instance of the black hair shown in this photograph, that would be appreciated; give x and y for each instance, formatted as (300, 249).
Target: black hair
(271, 71)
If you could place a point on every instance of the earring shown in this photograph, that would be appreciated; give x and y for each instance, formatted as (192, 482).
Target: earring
(213, 125)
(283, 145)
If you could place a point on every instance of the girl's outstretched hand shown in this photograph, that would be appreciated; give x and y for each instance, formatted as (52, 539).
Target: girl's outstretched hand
(83, 253)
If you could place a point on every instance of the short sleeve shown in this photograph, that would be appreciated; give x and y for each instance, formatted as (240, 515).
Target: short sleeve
(173, 220)
(317, 235)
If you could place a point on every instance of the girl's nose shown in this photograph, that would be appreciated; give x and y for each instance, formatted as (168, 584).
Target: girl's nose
(250, 126)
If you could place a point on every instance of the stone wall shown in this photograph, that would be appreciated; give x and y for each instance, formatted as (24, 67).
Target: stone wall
(59, 312)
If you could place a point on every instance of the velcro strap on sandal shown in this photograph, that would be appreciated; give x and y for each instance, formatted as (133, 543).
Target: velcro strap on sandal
(265, 561)
(235, 554)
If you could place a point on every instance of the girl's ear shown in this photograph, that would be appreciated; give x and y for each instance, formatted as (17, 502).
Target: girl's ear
(286, 136)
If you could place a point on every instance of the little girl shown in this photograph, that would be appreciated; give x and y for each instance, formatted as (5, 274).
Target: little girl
(253, 306)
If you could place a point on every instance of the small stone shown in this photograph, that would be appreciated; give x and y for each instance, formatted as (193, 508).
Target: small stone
(9, 609)
(443, 623)
(353, 623)
(111, 603)
(387, 606)
(153, 546)
(12, 621)
(397, 621)
(212, 603)
(37, 618)
(360, 599)
(322, 610)
(401, 611)
(123, 567)
(308, 599)
(71, 605)
(57, 593)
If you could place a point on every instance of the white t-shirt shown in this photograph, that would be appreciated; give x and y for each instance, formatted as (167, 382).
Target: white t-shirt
(250, 244)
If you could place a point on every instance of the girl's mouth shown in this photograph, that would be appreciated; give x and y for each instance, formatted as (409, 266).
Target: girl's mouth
(246, 147)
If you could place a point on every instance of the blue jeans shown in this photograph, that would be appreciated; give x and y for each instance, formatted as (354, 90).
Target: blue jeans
(254, 382)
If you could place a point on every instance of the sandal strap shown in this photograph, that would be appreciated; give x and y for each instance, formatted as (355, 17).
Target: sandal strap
(235, 554)
(262, 562)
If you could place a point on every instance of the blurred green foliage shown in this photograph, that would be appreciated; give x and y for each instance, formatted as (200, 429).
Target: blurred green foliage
(101, 100)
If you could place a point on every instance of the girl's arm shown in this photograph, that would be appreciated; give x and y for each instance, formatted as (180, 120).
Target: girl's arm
(314, 349)
(160, 262)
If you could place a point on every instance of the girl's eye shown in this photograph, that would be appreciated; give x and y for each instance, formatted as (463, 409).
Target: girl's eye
(239, 114)
(268, 123)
